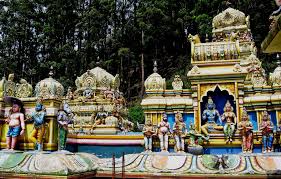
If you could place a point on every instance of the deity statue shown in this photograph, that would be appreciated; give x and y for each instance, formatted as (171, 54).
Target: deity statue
(246, 129)
(16, 124)
(163, 129)
(148, 132)
(211, 116)
(10, 86)
(64, 117)
(195, 141)
(112, 120)
(177, 83)
(230, 121)
(266, 127)
(88, 93)
(23, 89)
(69, 94)
(179, 131)
(38, 118)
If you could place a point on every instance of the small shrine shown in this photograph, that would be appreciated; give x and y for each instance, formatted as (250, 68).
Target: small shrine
(225, 72)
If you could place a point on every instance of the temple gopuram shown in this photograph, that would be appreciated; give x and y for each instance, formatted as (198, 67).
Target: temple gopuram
(225, 69)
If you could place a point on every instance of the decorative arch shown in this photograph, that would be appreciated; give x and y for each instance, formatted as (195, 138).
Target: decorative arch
(225, 87)
(219, 97)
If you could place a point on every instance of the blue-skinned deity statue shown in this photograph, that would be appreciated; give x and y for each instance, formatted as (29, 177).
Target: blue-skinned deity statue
(211, 117)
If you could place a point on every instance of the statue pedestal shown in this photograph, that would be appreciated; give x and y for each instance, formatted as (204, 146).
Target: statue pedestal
(195, 150)
(105, 129)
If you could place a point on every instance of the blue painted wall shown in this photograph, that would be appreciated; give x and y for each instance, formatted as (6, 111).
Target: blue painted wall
(273, 118)
(188, 118)
(171, 120)
(254, 119)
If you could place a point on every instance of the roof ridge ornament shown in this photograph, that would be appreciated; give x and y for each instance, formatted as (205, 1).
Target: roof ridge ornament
(155, 67)
(51, 73)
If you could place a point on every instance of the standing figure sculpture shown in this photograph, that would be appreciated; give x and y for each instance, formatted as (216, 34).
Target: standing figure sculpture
(16, 125)
(180, 132)
(38, 119)
(162, 130)
(246, 129)
(64, 117)
(211, 116)
(230, 121)
(266, 127)
(148, 132)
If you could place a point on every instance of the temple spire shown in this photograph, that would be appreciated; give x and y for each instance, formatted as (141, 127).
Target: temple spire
(155, 67)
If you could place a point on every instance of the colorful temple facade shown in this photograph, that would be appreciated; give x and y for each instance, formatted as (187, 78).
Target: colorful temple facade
(224, 69)
(222, 114)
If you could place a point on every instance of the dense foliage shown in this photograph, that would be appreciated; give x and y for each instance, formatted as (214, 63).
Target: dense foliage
(73, 35)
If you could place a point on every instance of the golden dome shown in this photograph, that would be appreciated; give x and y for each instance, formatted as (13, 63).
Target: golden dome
(49, 88)
(155, 81)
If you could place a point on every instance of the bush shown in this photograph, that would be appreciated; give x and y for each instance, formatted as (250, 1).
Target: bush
(136, 115)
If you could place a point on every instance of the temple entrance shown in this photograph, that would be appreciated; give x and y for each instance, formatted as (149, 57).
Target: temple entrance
(219, 97)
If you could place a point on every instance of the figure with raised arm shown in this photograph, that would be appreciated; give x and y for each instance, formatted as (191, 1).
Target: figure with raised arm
(230, 121)
(266, 127)
(16, 124)
(179, 131)
(246, 129)
(211, 116)
(38, 118)
(148, 132)
(163, 130)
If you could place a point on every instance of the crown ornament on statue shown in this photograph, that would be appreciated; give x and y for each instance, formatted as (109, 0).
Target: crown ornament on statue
(210, 100)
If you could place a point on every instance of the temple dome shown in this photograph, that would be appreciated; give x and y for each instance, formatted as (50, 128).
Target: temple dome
(229, 17)
(155, 81)
(49, 88)
(97, 78)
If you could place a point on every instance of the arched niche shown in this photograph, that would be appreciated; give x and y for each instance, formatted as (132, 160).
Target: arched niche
(219, 97)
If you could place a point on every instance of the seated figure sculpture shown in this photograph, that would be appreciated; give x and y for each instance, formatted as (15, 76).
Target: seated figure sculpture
(230, 121)
(148, 132)
(266, 127)
(179, 131)
(163, 130)
(246, 129)
(211, 116)
(38, 118)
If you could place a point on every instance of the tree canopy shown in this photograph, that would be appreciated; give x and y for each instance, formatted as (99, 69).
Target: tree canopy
(74, 35)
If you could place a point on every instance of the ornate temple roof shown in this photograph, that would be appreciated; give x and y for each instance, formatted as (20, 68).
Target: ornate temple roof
(49, 88)
(155, 81)
(97, 78)
(230, 19)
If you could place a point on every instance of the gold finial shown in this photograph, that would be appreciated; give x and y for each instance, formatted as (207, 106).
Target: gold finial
(51, 73)
(155, 66)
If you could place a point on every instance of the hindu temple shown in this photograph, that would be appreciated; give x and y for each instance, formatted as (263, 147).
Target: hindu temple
(226, 123)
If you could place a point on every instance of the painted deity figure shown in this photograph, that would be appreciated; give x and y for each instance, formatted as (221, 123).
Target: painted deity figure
(230, 121)
(64, 117)
(211, 116)
(163, 130)
(16, 126)
(266, 127)
(38, 119)
(246, 129)
(148, 132)
(179, 131)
